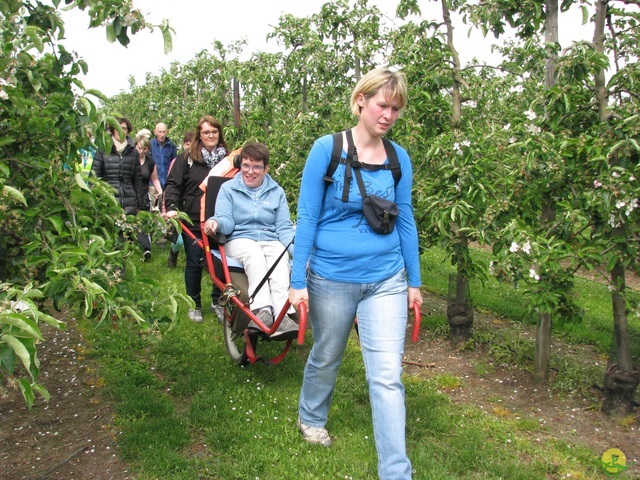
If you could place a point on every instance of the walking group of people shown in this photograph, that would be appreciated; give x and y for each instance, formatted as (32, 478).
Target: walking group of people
(343, 266)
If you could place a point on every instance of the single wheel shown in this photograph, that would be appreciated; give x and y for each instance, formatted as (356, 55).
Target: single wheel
(235, 343)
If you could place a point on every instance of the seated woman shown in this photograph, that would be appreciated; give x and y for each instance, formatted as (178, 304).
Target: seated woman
(252, 211)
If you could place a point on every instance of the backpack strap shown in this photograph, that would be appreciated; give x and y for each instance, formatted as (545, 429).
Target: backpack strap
(336, 159)
(394, 164)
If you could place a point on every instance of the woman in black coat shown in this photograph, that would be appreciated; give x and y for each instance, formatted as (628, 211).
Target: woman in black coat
(121, 170)
(182, 192)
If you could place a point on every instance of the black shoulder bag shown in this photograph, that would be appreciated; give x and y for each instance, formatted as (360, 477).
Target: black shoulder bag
(381, 213)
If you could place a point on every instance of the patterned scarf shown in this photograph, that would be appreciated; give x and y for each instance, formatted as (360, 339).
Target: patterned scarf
(213, 157)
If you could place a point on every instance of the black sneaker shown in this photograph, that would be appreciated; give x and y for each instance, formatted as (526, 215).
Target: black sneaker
(172, 261)
(287, 330)
(147, 255)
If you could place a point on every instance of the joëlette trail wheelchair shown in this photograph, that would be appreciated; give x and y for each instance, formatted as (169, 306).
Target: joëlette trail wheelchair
(229, 277)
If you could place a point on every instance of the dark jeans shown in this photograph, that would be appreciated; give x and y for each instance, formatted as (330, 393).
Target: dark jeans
(144, 240)
(193, 272)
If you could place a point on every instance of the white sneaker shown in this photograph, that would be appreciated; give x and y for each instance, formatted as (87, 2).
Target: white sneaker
(313, 435)
(195, 315)
(218, 310)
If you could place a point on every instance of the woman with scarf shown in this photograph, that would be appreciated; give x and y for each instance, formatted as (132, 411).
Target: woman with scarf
(121, 169)
(182, 192)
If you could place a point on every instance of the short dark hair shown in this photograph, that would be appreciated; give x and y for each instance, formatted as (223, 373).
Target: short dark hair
(256, 151)
(124, 120)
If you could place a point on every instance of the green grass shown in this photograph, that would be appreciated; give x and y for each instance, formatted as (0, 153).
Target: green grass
(185, 411)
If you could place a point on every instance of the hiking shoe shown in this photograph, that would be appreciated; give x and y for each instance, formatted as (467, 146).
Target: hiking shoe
(287, 330)
(218, 310)
(313, 435)
(172, 261)
(147, 255)
(195, 315)
(265, 316)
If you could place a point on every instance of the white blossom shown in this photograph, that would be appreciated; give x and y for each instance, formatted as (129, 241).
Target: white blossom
(514, 247)
(615, 174)
(632, 178)
(534, 129)
(613, 222)
(620, 204)
(533, 274)
(526, 248)
(597, 183)
(4, 95)
(466, 143)
(530, 114)
(513, 140)
(633, 204)
(506, 127)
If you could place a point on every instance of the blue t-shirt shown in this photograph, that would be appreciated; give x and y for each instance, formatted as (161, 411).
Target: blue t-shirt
(334, 238)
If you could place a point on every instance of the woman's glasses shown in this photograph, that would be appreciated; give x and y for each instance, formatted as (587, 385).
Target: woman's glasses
(209, 133)
(247, 168)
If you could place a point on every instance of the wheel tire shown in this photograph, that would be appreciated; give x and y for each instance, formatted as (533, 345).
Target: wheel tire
(236, 347)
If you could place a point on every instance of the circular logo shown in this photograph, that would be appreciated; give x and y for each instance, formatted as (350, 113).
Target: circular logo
(614, 461)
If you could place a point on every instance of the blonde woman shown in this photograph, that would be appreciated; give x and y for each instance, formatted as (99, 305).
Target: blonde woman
(354, 271)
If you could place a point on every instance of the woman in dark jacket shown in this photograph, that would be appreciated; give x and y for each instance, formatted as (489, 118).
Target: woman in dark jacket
(182, 192)
(121, 170)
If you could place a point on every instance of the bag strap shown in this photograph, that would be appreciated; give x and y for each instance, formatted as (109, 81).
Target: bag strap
(268, 274)
(349, 162)
(356, 165)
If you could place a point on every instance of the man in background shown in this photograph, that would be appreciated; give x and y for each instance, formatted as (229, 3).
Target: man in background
(163, 151)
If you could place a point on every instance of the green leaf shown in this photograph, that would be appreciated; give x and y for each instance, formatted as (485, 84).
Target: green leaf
(134, 314)
(57, 223)
(166, 36)
(35, 83)
(97, 93)
(7, 359)
(25, 325)
(14, 193)
(34, 35)
(6, 141)
(19, 349)
(111, 33)
(585, 15)
(81, 183)
(27, 392)
(93, 287)
(40, 390)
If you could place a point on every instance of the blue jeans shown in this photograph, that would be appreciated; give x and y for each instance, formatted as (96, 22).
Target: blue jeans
(381, 309)
(193, 271)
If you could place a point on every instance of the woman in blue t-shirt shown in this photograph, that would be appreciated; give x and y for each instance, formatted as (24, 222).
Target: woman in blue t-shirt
(342, 269)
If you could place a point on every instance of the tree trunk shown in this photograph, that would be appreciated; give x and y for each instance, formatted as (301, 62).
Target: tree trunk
(459, 308)
(236, 104)
(543, 331)
(621, 379)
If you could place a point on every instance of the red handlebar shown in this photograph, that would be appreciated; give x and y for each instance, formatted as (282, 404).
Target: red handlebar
(416, 322)
(302, 317)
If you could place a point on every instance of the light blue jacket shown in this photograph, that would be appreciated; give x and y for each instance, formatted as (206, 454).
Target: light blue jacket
(265, 218)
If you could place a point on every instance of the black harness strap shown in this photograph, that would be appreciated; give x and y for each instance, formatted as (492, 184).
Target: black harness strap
(350, 162)
(268, 274)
